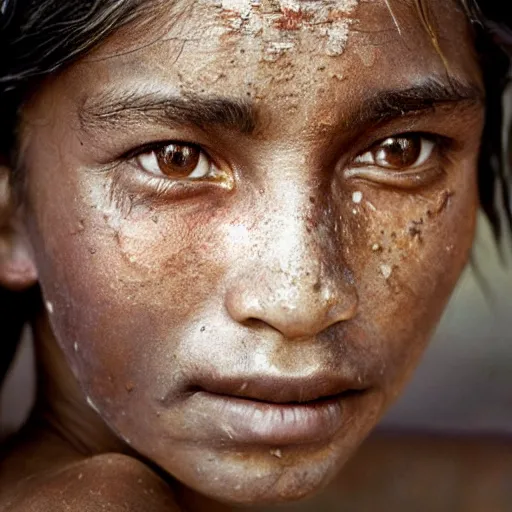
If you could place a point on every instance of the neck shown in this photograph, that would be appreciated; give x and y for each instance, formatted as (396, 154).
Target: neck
(60, 405)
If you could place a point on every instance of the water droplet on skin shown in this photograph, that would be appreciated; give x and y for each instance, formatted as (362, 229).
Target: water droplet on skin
(49, 307)
(276, 453)
(75, 346)
(376, 247)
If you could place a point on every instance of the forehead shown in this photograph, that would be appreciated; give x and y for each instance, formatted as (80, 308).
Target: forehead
(300, 54)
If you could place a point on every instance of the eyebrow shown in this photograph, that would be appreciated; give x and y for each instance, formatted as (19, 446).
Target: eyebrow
(114, 109)
(111, 109)
(428, 95)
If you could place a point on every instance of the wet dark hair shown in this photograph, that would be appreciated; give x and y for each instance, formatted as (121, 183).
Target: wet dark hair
(41, 37)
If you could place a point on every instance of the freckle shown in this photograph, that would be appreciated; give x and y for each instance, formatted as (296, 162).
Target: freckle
(415, 232)
(49, 307)
(386, 271)
(357, 197)
(276, 453)
(203, 328)
(154, 219)
(92, 250)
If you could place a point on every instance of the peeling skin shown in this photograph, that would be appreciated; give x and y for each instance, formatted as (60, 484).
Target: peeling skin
(281, 25)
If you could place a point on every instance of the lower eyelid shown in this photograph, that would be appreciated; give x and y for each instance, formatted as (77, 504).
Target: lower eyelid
(402, 179)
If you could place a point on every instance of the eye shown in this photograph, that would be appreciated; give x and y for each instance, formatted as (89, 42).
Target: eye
(177, 161)
(399, 153)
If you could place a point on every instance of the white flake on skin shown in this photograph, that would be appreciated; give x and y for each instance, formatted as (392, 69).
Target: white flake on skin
(386, 271)
(357, 197)
(253, 17)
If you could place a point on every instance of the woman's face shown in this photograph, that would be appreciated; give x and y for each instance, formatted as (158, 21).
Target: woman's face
(247, 218)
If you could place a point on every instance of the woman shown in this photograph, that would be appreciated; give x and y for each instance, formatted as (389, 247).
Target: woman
(245, 219)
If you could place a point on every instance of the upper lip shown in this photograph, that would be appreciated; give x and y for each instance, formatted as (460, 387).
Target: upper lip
(279, 390)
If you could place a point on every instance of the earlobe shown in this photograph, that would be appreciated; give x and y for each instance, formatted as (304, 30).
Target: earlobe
(17, 269)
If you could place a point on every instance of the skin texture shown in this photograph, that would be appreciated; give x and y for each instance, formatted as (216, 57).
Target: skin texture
(296, 272)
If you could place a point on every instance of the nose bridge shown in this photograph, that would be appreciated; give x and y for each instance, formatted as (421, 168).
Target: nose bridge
(296, 285)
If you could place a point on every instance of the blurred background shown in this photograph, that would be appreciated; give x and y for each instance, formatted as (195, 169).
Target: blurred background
(464, 383)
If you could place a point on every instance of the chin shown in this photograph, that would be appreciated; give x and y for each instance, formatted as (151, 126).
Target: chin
(259, 476)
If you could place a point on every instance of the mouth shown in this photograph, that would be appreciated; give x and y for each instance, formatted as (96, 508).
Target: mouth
(275, 412)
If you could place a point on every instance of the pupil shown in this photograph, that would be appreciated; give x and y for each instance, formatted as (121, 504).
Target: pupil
(179, 155)
(178, 160)
(399, 153)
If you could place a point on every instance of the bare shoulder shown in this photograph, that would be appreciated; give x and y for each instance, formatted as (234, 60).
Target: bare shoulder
(109, 482)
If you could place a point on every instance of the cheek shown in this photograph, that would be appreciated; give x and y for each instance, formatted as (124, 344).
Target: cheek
(408, 255)
(125, 286)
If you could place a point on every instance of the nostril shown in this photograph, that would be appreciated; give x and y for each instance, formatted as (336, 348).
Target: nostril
(255, 323)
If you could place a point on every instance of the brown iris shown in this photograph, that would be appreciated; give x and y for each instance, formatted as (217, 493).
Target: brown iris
(178, 160)
(398, 152)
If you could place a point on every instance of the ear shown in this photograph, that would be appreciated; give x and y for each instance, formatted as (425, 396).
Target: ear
(17, 268)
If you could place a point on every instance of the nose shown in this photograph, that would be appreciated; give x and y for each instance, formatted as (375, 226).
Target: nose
(290, 288)
(299, 309)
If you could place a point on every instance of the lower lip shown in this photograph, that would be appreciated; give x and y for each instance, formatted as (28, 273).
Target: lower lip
(252, 422)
